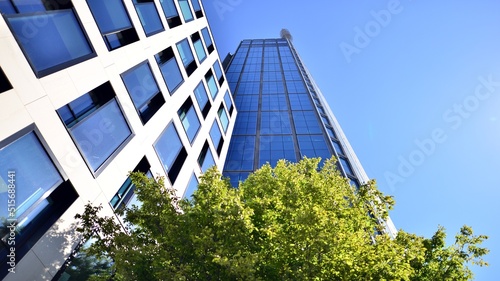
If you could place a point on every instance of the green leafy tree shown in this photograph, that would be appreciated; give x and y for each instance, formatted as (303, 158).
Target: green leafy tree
(291, 222)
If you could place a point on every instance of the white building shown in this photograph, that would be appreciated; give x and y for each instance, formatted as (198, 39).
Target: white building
(90, 90)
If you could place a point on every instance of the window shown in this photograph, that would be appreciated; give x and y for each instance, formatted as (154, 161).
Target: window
(212, 86)
(216, 136)
(274, 148)
(201, 96)
(169, 69)
(208, 40)
(300, 102)
(148, 15)
(186, 56)
(240, 155)
(186, 10)
(171, 152)
(96, 124)
(274, 102)
(223, 118)
(171, 13)
(206, 159)
(246, 123)
(275, 123)
(229, 103)
(313, 146)
(236, 177)
(198, 47)
(189, 119)
(142, 88)
(4, 82)
(113, 22)
(330, 132)
(42, 195)
(338, 148)
(197, 8)
(218, 72)
(346, 166)
(125, 196)
(57, 40)
(191, 187)
(306, 122)
(247, 102)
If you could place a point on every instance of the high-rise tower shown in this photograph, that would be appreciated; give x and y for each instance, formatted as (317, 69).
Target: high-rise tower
(282, 114)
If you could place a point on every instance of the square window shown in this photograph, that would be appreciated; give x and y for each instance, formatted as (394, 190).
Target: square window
(114, 23)
(224, 120)
(143, 89)
(208, 40)
(96, 124)
(189, 119)
(212, 85)
(191, 187)
(218, 72)
(201, 96)
(169, 69)
(148, 15)
(61, 42)
(186, 10)
(197, 8)
(171, 152)
(171, 13)
(206, 159)
(229, 103)
(186, 56)
(198, 47)
(216, 136)
(42, 194)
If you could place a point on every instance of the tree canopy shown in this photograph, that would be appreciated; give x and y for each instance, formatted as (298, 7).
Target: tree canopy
(291, 222)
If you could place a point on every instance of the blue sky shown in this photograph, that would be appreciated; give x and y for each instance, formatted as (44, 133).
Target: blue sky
(415, 86)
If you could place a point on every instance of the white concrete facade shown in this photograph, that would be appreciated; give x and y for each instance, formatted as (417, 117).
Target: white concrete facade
(34, 101)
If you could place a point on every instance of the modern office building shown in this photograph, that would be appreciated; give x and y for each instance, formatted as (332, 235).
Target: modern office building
(90, 90)
(282, 113)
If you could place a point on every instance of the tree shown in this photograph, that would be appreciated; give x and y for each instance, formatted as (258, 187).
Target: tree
(291, 222)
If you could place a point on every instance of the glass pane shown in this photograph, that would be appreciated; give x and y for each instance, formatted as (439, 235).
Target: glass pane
(227, 100)
(218, 70)
(191, 187)
(186, 10)
(60, 40)
(200, 50)
(6, 7)
(140, 84)
(208, 161)
(212, 86)
(110, 15)
(191, 123)
(223, 118)
(29, 6)
(34, 175)
(215, 134)
(201, 95)
(172, 74)
(185, 52)
(169, 8)
(206, 36)
(196, 5)
(100, 134)
(149, 17)
(168, 146)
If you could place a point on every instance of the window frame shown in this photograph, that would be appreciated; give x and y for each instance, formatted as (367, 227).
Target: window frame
(157, 99)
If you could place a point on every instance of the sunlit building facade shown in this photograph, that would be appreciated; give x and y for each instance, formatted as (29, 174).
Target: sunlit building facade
(89, 91)
(282, 114)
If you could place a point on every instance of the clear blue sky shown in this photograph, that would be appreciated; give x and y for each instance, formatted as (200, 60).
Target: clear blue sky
(411, 78)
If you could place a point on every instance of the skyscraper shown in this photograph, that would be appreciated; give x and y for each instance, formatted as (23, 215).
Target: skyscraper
(89, 91)
(282, 114)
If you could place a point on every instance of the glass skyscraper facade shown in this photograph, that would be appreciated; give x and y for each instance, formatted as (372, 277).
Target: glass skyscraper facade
(282, 114)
